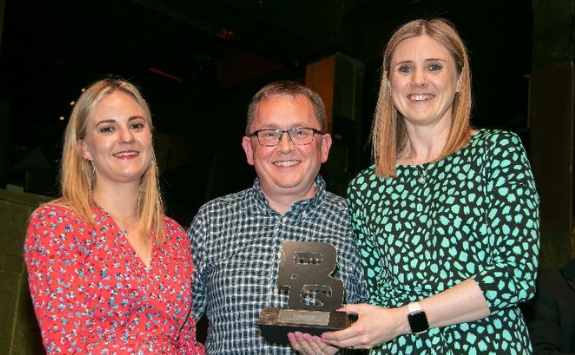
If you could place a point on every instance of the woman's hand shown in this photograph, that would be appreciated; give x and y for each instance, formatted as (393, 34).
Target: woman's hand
(310, 344)
(375, 325)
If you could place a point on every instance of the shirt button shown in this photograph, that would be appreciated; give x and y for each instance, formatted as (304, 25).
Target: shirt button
(284, 219)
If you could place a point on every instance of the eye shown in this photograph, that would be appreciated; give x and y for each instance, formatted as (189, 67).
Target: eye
(137, 123)
(299, 132)
(404, 69)
(137, 126)
(271, 134)
(434, 67)
(107, 129)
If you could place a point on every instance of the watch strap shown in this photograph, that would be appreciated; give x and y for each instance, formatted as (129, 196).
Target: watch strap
(414, 307)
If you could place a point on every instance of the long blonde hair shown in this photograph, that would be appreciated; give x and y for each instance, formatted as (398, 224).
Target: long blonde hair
(76, 175)
(388, 132)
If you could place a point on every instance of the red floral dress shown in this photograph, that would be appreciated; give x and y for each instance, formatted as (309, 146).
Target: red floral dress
(93, 295)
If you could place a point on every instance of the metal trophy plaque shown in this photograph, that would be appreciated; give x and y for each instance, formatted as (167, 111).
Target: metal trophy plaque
(305, 270)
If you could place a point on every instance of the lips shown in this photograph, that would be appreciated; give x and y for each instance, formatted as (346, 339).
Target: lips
(131, 153)
(286, 163)
(420, 97)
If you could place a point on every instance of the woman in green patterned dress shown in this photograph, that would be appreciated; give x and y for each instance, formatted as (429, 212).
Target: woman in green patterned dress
(447, 218)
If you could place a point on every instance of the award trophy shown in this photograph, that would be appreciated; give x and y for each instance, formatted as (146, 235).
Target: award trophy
(313, 294)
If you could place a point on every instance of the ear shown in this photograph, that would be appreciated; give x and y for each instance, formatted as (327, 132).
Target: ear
(325, 146)
(459, 80)
(248, 149)
(83, 150)
(386, 82)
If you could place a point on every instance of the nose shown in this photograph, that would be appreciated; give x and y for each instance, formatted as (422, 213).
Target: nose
(126, 135)
(418, 78)
(285, 144)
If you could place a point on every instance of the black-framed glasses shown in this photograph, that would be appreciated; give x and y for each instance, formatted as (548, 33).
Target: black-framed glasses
(298, 136)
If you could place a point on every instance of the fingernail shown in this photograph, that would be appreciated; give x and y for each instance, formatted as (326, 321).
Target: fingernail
(297, 335)
(305, 336)
(290, 336)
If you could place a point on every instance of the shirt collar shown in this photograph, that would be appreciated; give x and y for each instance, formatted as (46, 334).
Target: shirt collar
(258, 203)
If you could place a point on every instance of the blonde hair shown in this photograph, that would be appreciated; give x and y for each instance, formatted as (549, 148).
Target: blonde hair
(388, 132)
(76, 175)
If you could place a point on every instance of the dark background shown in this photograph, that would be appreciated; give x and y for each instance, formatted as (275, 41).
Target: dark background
(199, 63)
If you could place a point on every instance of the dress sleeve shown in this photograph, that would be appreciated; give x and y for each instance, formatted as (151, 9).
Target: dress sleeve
(51, 252)
(197, 234)
(369, 255)
(512, 223)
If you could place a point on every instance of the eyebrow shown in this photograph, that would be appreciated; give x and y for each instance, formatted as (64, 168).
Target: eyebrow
(426, 60)
(276, 126)
(114, 121)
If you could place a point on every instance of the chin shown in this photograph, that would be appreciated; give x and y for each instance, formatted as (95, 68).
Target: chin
(289, 184)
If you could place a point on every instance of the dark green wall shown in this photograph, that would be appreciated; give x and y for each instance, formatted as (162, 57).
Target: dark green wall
(19, 331)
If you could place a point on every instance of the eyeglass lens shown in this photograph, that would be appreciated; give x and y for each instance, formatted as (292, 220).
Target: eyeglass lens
(298, 136)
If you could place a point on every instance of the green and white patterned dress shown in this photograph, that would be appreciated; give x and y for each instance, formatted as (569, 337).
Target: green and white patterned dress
(476, 216)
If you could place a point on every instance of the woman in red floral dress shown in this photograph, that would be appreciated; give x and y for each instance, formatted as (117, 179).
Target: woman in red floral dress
(109, 273)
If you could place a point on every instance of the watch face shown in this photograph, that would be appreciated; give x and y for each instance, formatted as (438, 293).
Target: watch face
(418, 322)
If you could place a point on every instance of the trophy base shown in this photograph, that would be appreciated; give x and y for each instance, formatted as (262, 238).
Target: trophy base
(276, 323)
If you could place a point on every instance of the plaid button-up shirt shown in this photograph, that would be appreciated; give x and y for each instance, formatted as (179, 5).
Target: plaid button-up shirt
(236, 242)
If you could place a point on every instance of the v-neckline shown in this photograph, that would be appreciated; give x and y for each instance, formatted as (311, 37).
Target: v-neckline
(133, 250)
(129, 245)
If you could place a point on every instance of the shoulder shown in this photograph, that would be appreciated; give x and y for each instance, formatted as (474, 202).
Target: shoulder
(334, 199)
(223, 206)
(497, 137)
(363, 176)
(365, 179)
(176, 237)
(229, 201)
(172, 226)
(501, 148)
(335, 202)
(57, 228)
(53, 213)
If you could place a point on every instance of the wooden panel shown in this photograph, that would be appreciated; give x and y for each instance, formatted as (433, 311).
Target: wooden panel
(320, 77)
(338, 79)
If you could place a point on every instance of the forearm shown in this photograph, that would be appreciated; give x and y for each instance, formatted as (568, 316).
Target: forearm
(461, 303)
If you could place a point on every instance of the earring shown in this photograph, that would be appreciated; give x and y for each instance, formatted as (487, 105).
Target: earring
(93, 167)
(89, 176)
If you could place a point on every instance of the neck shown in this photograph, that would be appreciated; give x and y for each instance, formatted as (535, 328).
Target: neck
(425, 145)
(120, 202)
(282, 202)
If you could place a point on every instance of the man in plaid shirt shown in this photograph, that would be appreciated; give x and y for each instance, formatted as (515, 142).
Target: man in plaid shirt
(236, 239)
